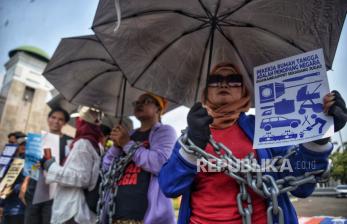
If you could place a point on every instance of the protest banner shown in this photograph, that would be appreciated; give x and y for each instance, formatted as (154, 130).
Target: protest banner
(289, 101)
(10, 177)
(43, 191)
(6, 158)
(33, 154)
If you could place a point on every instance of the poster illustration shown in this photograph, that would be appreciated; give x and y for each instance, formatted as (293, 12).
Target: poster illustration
(289, 101)
(33, 153)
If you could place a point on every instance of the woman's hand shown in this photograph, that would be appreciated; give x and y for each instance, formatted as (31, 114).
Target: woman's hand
(198, 125)
(335, 106)
(120, 136)
(23, 189)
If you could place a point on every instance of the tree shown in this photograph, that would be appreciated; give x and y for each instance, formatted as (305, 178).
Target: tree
(342, 148)
(339, 169)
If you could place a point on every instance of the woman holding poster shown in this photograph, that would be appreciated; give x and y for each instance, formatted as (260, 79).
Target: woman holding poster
(11, 207)
(213, 188)
(79, 172)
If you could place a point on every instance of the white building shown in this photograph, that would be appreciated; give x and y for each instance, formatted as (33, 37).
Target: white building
(24, 93)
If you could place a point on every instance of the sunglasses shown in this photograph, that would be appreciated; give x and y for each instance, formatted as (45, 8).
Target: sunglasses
(145, 101)
(217, 80)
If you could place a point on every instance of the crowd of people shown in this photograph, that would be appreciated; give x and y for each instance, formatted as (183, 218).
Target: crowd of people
(134, 179)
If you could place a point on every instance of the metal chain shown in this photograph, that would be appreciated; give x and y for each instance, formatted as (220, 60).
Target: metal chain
(109, 180)
(254, 177)
(244, 197)
(101, 192)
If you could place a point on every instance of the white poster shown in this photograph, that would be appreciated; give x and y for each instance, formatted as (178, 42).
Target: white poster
(51, 141)
(289, 101)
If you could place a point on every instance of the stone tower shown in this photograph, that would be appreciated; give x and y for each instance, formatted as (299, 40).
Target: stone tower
(24, 93)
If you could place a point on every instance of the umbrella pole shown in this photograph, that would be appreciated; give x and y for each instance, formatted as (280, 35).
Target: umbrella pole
(210, 56)
(118, 100)
(201, 69)
(123, 101)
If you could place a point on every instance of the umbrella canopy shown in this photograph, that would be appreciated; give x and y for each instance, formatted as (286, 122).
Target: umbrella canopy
(85, 74)
(167, 47)
(108, 120)
(59, 101)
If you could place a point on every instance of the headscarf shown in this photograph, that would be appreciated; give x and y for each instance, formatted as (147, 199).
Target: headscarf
(226, 115)
(88, 126)
(86, 130)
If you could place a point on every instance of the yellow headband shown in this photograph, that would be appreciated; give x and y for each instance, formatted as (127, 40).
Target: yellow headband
(163, 103)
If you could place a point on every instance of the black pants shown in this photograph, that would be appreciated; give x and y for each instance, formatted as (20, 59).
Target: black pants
(71, 221)
(13, 219)
(38, 213)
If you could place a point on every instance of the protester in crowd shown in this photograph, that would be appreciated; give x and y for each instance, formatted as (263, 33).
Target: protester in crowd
(40, 213)
(79, 172)
(106, 142)
(12, 208)
(14, 136)
(139, 199)
(212, 197)
(20, 152)
(106, 127)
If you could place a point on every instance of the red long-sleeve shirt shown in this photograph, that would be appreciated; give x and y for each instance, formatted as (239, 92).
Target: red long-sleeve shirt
(213, 198)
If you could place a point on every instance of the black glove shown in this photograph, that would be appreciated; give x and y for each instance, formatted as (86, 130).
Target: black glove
(322, 141)
(198, 125)
(338, 111)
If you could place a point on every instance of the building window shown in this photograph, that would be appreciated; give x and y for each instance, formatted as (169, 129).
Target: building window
(28, 94)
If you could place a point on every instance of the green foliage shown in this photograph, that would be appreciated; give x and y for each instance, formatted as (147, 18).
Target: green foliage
(339, 169)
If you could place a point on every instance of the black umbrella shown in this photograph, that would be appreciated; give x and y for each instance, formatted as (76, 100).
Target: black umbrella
(108, 120)
(84, 73)
(167, 47)
(59, 101)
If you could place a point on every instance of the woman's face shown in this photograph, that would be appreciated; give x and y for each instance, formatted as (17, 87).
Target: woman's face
(145, 108)
(56, 121)
(225, 86)
(97, 116)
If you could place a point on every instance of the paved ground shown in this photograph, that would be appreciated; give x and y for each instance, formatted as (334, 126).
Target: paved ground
(316, 210)
(321, 206)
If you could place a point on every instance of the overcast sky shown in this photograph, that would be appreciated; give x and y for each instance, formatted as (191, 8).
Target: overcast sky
(42, 23)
